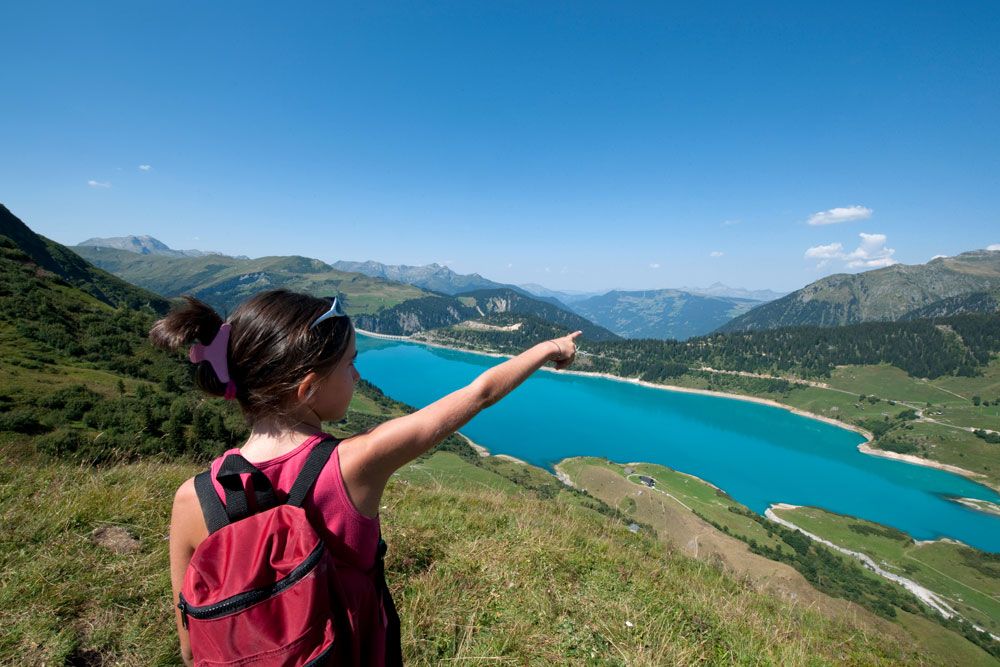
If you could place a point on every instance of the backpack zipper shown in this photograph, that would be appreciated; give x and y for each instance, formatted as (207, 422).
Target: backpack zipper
(248, 598)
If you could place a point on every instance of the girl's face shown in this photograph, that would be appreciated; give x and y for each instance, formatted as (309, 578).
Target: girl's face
(334, 392)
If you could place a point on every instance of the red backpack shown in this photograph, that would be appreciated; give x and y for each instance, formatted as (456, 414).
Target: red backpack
(262, 589)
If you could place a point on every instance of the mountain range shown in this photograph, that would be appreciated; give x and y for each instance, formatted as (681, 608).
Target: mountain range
(223, 281)
(377, 304)
(969, 282)
(881, 295)
(652, 313)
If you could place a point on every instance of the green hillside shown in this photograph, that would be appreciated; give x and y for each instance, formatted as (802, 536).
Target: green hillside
(967, 580)
(976, 302)
(223, 281)
(424, 316)
(58, 260)
(499, 301)
(880, 295)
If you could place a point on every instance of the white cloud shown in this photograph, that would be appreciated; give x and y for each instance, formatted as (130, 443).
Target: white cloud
(510, 265)
(716, 253)
(145, 167)
(99, 184)
(994, 246)
(825, 252)
(871, 253)
(937, 257)
(730, 223)
(842, 214)
(654, 265)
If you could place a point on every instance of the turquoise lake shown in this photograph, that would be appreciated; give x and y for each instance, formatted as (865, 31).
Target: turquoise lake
(758, 454)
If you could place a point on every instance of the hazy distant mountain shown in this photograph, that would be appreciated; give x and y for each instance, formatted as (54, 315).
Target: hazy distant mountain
(718, 289)
(432, 277)
(664, 314)
(144, 245)
(880, 295)
(565, 296)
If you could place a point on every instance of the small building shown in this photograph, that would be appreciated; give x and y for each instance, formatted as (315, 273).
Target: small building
(648, 481)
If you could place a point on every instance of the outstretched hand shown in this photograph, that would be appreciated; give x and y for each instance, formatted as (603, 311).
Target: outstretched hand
(566, 347)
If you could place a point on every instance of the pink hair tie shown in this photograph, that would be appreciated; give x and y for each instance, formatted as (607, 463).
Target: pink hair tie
(216, 354)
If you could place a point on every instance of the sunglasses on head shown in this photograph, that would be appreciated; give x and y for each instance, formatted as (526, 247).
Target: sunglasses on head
(335, 311)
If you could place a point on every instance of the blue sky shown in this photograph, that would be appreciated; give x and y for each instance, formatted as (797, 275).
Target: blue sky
(578, 145)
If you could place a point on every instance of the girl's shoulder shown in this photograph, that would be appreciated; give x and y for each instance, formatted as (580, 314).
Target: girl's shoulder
(187, 524)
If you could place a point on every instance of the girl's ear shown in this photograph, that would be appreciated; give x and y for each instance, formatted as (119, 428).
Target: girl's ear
(306, 387)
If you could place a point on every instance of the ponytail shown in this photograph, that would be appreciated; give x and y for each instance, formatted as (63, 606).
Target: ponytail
(195, 321)
(275, 340)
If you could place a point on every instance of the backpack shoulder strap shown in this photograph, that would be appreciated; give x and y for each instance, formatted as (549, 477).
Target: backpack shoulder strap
(229, 476)
(314, 465)
(211, 504)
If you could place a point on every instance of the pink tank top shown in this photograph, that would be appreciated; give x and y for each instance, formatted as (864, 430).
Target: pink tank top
(351, 537)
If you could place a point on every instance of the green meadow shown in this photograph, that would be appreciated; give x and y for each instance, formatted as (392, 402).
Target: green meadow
(832, 573)
(967, 579)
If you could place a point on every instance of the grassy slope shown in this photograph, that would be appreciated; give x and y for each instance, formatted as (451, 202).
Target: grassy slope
(478, 572)
(59, 260)
(881, 294)
(946, 568)
(681, 494)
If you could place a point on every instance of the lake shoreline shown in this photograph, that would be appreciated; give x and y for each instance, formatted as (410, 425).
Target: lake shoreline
(865, 447)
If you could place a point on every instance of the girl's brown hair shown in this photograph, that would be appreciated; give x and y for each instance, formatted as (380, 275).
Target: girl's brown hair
(271, 347)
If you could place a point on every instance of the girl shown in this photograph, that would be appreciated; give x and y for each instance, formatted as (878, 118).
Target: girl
(288, 359)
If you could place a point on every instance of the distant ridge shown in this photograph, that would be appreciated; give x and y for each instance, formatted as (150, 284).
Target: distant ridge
(721, 290)
(144, 245)
(663, 314)
(880, 295)
(568, 297)
(63, 262)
